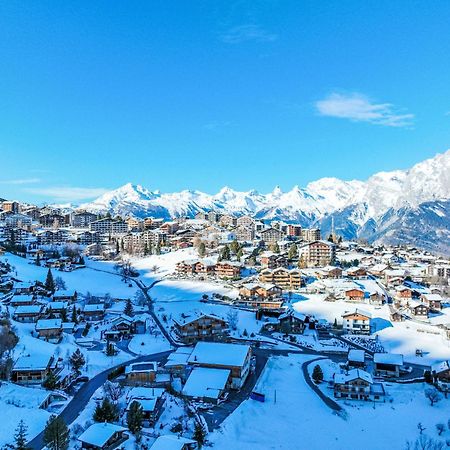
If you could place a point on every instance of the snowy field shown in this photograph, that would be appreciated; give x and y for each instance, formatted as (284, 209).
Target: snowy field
(294, 417)
(396, 337)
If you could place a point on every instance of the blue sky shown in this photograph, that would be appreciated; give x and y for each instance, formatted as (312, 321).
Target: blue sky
(197, 95)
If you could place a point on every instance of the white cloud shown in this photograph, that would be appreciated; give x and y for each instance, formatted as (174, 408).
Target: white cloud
(359, 108)
(67, 193)
(249, 32)
(21, 181)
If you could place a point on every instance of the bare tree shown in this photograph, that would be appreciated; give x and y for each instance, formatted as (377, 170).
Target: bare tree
(433, 395)
(113, 391)
(423, 442)
(440, 428)
(232, 318)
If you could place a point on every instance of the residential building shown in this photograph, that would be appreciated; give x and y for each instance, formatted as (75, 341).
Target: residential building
(49, 329)
(228, 269)
(311, 234)
(200, 327)
(285, 278)
(387, 364)
(357, 322)
(358, 384)
(317, 253)
(32, 369)
(82, 219)
(172, 442)
(271, 235)
(103, 436)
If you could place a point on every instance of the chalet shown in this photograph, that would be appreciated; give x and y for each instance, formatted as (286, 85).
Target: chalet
(376, 298)
(172, 442)
(32, 369)
(93, 312)
(152, 401)
(141, 373)
(177, 362)
(57, 309)
(356, 358)
(22, 300)
(284, 278)
(273, 260)
(233, 357)
(433, 301)
(292, 322)
(228, 220)
(28, 314)
(354, 294)
(228, 269)
(49, 329)
(356, 272)
(24, 288)
(329, 272)
(441, 375)
(245, 221)
(186, 267)
(65, 295)
(396, 316)
(357, 322)
(268, 290)
(205, 267)
(199, 327)
(103, 436)
(403, 293)
(387, 364)
(357, 384)
(418, 310)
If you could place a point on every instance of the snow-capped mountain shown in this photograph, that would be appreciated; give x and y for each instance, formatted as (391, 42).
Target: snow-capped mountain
(359, 208)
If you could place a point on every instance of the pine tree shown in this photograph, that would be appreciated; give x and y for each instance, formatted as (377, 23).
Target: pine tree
(234, 247)
(275, 247)
(110, 349)
(117, 248)
(128, 310)
(199, 434)
(56, 434)
(145, 249)
(38, 260)
(135, 417)
(158, 249)
(74, 318)
(225, 254)
(106, 412)
(317, 374)
(20, 438)
(51, 381)
(50, 282)
(77, 360)
(202, 249)
(292, 252)
(64, 314)
(239, 254)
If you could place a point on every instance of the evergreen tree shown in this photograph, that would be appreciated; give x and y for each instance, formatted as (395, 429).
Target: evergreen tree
(292, 252)
(135, 417)
(49, 282)
(56, 434)
(317, 374)
(239, 254)
(225, 254)
(145, 249)
(51, 381)
(275, 247)
(199, 434)
(117, 248)
(20, 438)
(128, 310)
(158, 249)
(202, 249)
(234, 247)
(38, 260)
(77, 360)
(74, 318)
(64, 314)
(106, 412)
(110, 349)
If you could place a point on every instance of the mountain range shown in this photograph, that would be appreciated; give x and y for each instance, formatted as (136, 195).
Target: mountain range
(402, 206)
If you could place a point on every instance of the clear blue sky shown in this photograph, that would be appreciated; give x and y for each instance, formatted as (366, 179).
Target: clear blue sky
(199, 94)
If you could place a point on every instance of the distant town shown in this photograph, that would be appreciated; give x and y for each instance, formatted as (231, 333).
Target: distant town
(121, 332)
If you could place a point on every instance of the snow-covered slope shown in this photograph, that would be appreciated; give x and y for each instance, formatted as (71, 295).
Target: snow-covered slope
(357, 206)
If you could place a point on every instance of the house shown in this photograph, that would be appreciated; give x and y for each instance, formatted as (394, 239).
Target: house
(266, 290)
(120, 327)
(273, 260)
(356, 358)
(205, 266)
(207, 383)
(172, 442)
(292, 322)
(49, 329)
(24, 288)
(22, 300)
(354, 294)
(32, 369)
(245, 221)
(433, 301)
(152, 401)
(418, 310)
(376, 298)
(284, 278)
(186, 267)
(396, 316)
(357, 384)
(104, 436)
(27, 313)
(234, 357)
(65, 295)
(357, 322)
(356, 272)
(329, 272)
(177, 362)
(57, 309)
(94, 311)
(228, 269)
(141, 372)
(441, 375)
(387, 364)
(199, 327)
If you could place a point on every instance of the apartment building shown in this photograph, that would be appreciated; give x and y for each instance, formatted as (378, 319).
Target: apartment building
(109, 226)
(317, 253)
(282, 277)
(83, 219)
(311, 234)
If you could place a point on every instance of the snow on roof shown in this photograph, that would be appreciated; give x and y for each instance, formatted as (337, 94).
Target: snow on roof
(98, 434)
(150, 366)
(170, 443)
(28, 309)
(433, 297)
(440, 367)
(356, 355)
(94, 307)
(195, 315)
(206, 382)
(57, 305)
(354, 374)
(48, 324)
(179, 357)
(219, 354)
(32, 362)
(388, 358)
(358, 311)
(141, 392)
